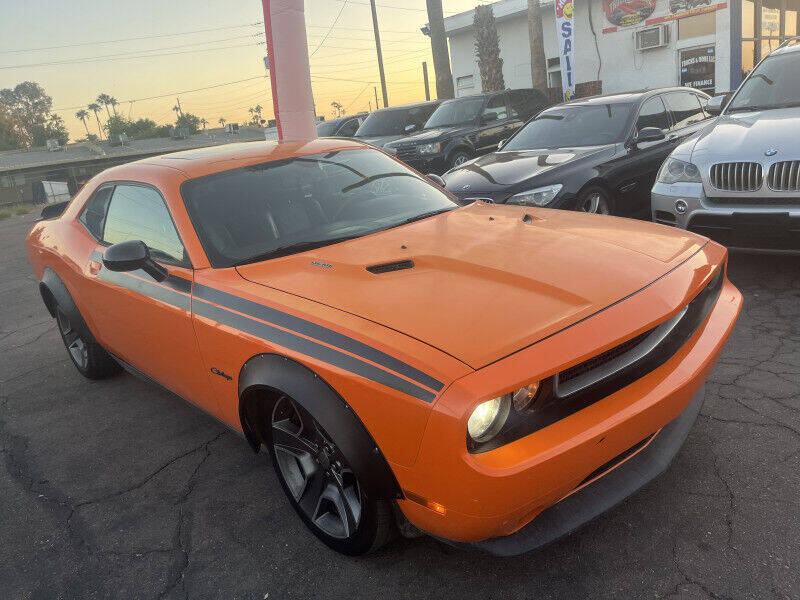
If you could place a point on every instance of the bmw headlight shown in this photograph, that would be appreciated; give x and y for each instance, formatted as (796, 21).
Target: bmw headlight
(432, 148)
(674, 171)
(538, 197)
(488, 418)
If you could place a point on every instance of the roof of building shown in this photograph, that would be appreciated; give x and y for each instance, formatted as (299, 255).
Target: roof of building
(503, 9)
(86, 152)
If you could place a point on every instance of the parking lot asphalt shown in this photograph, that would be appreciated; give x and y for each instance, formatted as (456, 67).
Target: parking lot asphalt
(118, 489)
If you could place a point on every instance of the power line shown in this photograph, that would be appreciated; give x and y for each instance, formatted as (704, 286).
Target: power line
(143, 37)
(336, 20)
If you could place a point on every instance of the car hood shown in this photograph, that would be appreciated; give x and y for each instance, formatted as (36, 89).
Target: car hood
(428, 135)
(747, 136)
(377, 140)
(507, 168)
(486, 280)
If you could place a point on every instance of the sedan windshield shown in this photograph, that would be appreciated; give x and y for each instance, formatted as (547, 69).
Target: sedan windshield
(774, 84)
(576, 125)
(285, 206)
(455, 112)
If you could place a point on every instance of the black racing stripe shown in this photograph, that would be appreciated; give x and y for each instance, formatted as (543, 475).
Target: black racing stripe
(173, 281)
(146, 288)
(310, 348)
(315, 331)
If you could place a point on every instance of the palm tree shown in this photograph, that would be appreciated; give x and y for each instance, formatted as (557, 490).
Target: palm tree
(203, 122)
(105, 100)
(83, 115)
(441, 56)
(113, 102)
(222, 121)
(487, 49)
(538, 62)
(177, 110)
(95, 108)
(337, 106)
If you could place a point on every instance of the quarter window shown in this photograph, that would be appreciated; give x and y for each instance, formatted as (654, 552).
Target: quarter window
(138, 212)
(653, 114)
(94, 212)
(685, 108)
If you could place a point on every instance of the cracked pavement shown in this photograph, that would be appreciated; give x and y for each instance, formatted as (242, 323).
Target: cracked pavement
(119, 489)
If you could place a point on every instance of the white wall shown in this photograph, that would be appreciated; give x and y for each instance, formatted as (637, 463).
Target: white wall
(622, 67)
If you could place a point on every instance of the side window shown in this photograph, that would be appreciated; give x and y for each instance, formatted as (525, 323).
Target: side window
(138, 213)
(653, 114)
(93, 214)
(517, 103)
(685, 108)
(497, 105)
(349, 128)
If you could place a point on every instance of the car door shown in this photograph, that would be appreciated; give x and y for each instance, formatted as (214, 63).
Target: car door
(148, 324)
(493, 124)
(635, 172)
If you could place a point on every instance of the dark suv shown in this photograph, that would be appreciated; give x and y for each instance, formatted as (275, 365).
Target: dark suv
(390, 124)
(466, 127)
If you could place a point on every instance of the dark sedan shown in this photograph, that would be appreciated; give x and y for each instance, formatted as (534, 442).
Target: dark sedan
(597, 154)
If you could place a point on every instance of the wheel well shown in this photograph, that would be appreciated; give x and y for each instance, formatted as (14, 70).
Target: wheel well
(48, 299)
(255, 404)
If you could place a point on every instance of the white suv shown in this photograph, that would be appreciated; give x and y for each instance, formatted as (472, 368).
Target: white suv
(737, 180)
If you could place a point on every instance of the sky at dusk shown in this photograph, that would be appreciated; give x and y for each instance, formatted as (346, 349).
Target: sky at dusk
(78, 49)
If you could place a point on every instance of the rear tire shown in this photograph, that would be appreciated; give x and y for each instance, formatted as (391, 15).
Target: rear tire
(322, 487)
(89, 357)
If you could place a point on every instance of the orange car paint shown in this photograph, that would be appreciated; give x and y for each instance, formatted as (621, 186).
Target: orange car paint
(485, 313)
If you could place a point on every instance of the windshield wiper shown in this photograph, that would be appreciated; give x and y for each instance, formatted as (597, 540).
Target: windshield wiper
(295, 248)
(425, 215)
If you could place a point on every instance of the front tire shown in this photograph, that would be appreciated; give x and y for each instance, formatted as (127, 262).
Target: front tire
(458, 158)
(595, 200)
(89, 357)
(321, 486)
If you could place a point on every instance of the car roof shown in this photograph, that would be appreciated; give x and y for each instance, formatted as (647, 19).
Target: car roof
(205, 161)
(626, 97)
(789, 46)
(406, 106)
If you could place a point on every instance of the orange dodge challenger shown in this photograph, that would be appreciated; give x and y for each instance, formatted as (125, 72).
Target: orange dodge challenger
(495, 376)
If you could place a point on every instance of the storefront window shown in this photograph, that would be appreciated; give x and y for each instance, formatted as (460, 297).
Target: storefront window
(765, 24)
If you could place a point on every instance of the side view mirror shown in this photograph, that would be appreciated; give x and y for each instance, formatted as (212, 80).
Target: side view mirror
(436, 179)
(716, 104)
(488, 118)
(130, 256)
(501, 143)
(647, 134)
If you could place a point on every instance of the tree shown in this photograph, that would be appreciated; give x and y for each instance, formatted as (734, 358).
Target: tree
(28, 112)
(536, 36)
(441, 56)
(83, 114)
(203, 122)
(9, 139)
(337, 106)
(187, 121)
(138, 130)
(113, 102)
(95, 108)
(255, 115)
(105, 100)
(222, 121)
(177, 110)
(487, 50)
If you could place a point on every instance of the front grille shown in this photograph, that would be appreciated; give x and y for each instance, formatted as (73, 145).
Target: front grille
(737, 176)
(746, 201)
(600, 359)
(785, 176)
(408, 153)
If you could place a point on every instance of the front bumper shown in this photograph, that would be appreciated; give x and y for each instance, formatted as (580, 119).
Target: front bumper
(759, 223)
(424, 163)
(497, 493)
(602, 493)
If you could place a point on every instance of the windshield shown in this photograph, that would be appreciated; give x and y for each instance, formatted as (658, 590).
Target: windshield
(455, 112)
(774, 84)
(327, 128)
(286, 206)
(384, 122)
(578, 125)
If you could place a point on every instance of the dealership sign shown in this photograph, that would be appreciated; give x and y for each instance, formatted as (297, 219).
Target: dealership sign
(625, 13)
(565, 31)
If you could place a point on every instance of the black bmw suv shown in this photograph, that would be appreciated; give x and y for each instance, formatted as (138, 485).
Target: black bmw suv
(466, 127)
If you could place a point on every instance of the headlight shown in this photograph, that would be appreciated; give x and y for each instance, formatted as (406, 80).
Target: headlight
(488, 418)
(539, 197)
(674, 170)
(432, 148)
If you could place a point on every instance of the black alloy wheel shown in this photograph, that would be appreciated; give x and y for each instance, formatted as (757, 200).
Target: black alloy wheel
(88, 356)
(76, 346)
(458, 158)
(595, 201)
(321, 485)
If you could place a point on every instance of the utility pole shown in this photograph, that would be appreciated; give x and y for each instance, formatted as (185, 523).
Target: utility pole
(375, 89)
(180, 110)
(425, 79)
(380, 54)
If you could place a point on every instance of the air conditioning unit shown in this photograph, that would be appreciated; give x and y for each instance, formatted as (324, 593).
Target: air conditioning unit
(652, 37)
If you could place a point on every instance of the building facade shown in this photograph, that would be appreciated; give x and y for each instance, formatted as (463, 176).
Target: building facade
(624, 45)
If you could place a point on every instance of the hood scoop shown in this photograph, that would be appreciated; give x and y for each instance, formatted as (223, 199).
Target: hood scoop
(398, 265)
